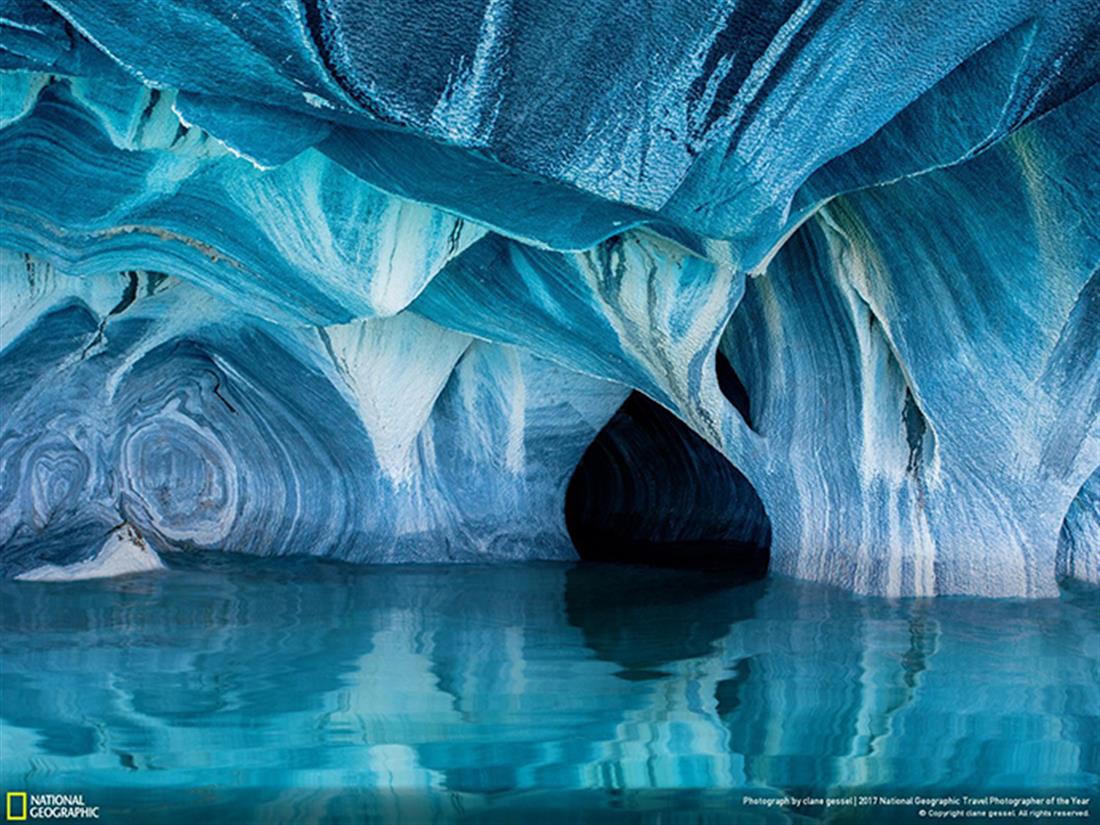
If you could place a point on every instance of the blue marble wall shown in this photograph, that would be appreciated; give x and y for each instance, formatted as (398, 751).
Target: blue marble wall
(364, 278)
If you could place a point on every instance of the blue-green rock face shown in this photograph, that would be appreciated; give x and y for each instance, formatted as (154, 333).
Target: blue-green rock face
(365, 279)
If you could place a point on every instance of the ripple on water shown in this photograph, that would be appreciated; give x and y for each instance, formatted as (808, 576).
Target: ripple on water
(261, 688)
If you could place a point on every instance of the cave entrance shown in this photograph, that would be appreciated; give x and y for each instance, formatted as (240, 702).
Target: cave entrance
(649, 490)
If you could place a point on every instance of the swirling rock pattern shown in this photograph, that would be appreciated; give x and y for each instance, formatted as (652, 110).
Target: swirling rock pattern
(208, 432)
(365, 278)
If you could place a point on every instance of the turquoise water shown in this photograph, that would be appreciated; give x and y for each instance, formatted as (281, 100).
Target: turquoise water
(232, 689)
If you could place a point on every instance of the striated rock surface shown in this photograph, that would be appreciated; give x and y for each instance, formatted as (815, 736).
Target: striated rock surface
(124, 552)
(365, 279)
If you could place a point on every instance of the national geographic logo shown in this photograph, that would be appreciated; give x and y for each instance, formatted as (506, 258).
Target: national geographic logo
(16, 809)
(20, 806)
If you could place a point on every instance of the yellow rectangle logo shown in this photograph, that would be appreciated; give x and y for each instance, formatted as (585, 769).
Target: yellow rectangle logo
(21, 797)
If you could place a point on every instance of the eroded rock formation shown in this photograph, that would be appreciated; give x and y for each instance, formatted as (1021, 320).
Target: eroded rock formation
(365, 278)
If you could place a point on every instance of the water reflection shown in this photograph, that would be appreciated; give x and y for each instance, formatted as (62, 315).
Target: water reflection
(261, 689)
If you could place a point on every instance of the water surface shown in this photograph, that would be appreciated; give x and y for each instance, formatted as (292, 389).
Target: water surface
(269, 691)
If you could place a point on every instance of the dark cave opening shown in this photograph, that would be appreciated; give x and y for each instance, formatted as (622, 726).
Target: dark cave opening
(649, 490)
